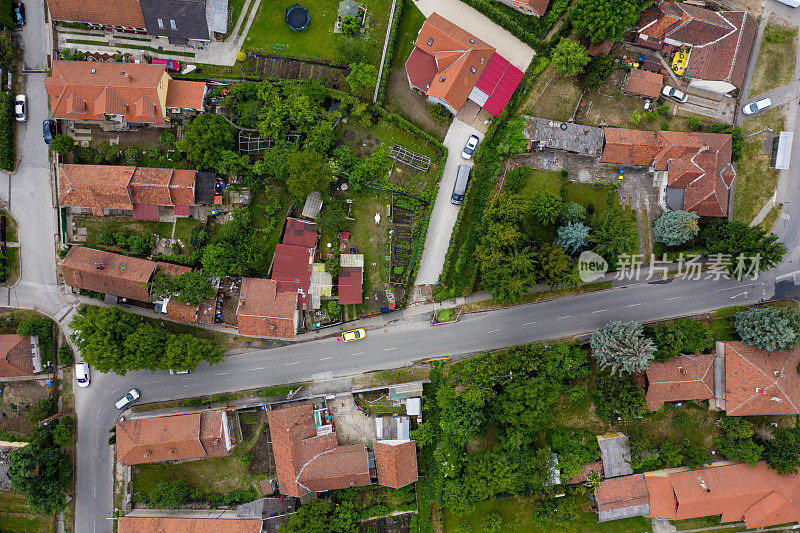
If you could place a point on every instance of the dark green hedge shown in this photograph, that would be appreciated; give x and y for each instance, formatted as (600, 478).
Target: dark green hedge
(390, 51)
(7, 131)
(526, 28)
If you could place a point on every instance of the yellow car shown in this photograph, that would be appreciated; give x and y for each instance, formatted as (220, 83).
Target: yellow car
(353, 335)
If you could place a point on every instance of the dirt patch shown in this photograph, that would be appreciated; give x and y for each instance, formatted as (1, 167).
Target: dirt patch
(353, 426)
(263, 461)
(228, 301)
(754, 7)
(18, 397)
(401, 99)
(553, 97)
(389, 524)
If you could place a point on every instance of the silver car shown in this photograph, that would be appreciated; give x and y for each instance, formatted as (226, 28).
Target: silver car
(470, 147)
(128, 399)
(756, 107)
(674, 93)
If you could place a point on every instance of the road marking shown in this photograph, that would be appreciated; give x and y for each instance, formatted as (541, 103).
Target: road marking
(563, 317)
(389, 349)
(150, 382)
(326, 358)
(600, 311)
(673, 298)
(528, 323)
(221, 374)
(736, 287)
(741, 293)
(493, 331)
(359, 353)
(634, 305)
(259, 368)
(295, 363)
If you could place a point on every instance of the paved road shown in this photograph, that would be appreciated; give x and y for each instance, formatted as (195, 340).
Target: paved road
(444, 214)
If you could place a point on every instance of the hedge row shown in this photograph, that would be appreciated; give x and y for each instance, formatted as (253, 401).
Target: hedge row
(391, 49)
(7, 132)
(460, 270)
(526, 28)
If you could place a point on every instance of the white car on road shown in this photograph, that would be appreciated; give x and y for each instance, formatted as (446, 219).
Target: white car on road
(756, 107)
(674, 93)
(20, 108)
(128, 399)
(82, 374)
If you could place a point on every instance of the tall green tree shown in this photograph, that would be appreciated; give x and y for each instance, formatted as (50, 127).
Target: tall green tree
(62, 144)
(41, 472)
(307, 172)
(769, 328)
(569, 57)
(546, 207)
(761, 250)
(614, 234)
(597, 71)
(782, 453)
(622, 347)
(362, 77)
(605, 20)
(618, 395)
(557, 267)
(572, 237)
(206, 139)
(191, 287)
(674, 228)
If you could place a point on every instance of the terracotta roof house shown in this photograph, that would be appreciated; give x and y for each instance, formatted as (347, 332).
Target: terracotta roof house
(451, 66)
(121, 190)
(308, 459)
(644, 83)
(294, 261)
(396, 461)
(119, 15)
(718, 42)
(264, 311)
(163, 524)
(758, 382)
(756, 494)
(602, 48)
(685, 377)
(117, 93)
(694, 169)
(622, 497)
(107, 273)
(19, 356)
(529, 7)
(202, 435)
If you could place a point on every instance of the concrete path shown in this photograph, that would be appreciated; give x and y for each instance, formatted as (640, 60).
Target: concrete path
(444, 214)
(470, 19)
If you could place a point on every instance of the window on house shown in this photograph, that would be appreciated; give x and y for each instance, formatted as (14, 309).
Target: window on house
(441, 79)
(172, 25)
(160, 23)
(472, 69)
(472, 41)
(430, 41)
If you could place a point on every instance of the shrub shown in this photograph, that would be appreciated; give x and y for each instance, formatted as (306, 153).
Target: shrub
(334, 309)
(597, 71)
(694, 123)
(440, 114)
(663, 110)
(350, 25)
(240, 56)
(7, 131)
(65, 356)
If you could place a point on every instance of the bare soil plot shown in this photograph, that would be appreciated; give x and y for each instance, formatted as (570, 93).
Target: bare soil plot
(17, 398)
(553, 97)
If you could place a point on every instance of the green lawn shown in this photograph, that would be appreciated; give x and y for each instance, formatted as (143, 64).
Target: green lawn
(12, 264)
(95, 225)
(268, 231)
(235, 6)
(516, 515)
(183, 229)
(542, 180)
(16, 517)
(410, 23)
(11, 228)
(371, 240)
(221, 475)
(585, 194)
(776, 59)
(318, 40)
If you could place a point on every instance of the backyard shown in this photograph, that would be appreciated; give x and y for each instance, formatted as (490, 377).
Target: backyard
(16, 516)
(94, 225)
(776, 59)
(755, 180)
(318, 41)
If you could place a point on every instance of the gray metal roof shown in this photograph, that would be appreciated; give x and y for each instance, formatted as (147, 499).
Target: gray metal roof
(616, 456)
(575, 138)
(313, 205)
(217, 16)
(674, 198)
(784, 150)
(178, 20)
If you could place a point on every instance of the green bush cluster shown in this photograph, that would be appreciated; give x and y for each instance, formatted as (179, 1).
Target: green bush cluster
(7, 131)
(43, 329)
(526, 28)
(135, 243)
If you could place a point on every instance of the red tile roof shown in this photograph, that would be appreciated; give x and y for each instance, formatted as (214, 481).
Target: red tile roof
(16, 356)
(721, 40)
(292, 269)
(300, 233)
(107, 273)
(263, 311)
(396, 462)
(699, 163)
(601, 48)
(758, 495)
(621, 492)
(306, 462)
(182, 312)
(684, 377)
(123, 187)
(172, 270)
(186, 94)
(537, 6)
(126, 13)
(644, 83)
(351, 280)
(172, 438)
(82, 90)
(758, 382)
(460, 58)
(162, 524)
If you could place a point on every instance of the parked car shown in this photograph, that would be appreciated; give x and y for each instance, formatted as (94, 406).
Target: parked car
(460, 186)
(20, 108)
(48, 130)
(82, 374)
(353, 335)
(470, 147)
(170, 64)
(19, 14)
(128, 399)
(790, 3)
(756, 107)
(674, 93)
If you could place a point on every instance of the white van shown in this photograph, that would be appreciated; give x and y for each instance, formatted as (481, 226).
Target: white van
(460, 187)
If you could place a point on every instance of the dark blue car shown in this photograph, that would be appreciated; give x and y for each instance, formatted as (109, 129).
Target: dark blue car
(48, 130)
(19, 14)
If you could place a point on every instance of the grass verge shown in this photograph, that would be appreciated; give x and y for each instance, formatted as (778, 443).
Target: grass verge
(540, 296)
(776, 59)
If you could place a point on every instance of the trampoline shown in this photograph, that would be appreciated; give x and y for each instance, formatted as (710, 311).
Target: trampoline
(297, 17)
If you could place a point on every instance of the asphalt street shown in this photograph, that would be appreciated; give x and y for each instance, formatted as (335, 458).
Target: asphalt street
(398, 343)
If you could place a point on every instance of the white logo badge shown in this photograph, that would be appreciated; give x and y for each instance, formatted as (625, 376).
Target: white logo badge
(591, 266)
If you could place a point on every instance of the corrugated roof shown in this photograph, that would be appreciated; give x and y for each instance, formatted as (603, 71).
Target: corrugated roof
(351, 281)
(499, 80)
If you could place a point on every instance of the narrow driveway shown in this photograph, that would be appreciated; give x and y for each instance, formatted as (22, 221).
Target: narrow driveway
(472, 20)
(444, 214)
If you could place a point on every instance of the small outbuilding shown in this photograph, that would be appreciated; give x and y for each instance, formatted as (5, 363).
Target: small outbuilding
(643, 83)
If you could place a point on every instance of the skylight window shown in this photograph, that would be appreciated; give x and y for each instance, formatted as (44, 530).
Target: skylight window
(441, 79)
(172, 25)
(160, 23)
(430, 41)
(472, 69)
